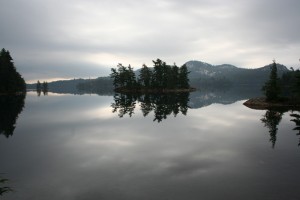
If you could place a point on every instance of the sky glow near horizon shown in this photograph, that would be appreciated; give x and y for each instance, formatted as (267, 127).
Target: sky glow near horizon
(54, 39)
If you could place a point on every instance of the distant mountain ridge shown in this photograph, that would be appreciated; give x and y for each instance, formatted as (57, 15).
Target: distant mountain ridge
(202, 75)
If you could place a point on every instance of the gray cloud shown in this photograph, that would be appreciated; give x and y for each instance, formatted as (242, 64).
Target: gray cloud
(74, 38)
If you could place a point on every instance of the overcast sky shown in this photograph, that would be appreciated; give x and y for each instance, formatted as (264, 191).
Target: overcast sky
(55, 39)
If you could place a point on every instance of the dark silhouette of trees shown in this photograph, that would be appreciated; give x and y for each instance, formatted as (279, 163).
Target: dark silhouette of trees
(145, 77)
(38, 88)
(297, 122)
(10, 80)
(123, 77)
(4, 189)
(162, 77)
(158, 73)
(296, 85)
(42, 87)
(271, 119)
(272, 87)
(45, 88)
(183, 77)
(10, 108)
(290, 84)
(162, 105)
(124, 104)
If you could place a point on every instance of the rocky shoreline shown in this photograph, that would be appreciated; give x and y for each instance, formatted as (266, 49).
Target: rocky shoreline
(261, 104)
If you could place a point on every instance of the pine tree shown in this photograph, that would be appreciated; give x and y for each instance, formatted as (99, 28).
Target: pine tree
(183, 77)
(296, 86)
(145, 76)
(157, 78)
(38, 86)
(10, 80)
(130, 78)
(45, 88)
(271, 87)
(116, 77)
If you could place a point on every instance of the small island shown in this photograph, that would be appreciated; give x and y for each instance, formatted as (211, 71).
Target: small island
(162, 78)
(280, 93)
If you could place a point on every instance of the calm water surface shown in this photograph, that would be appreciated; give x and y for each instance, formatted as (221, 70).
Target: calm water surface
(75, 148)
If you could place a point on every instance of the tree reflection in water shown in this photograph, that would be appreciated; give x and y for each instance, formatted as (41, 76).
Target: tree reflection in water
(10, 108)
(297, 122)
(271, 119)
(161, 104)
(3, 188)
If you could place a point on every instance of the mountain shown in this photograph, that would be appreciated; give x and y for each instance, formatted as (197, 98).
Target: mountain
(204, 74)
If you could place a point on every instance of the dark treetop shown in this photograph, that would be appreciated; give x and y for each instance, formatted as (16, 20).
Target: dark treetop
(10, 80)
(161, 78)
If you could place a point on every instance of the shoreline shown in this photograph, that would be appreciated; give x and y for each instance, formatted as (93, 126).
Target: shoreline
(157, 91)
(260, 103)
(13, 93)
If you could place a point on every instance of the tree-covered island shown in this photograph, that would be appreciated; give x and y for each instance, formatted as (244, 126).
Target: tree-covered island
(162, 78)
(281, 92)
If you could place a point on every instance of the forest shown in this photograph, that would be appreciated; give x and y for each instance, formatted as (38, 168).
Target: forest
(160, 78)
(11, 81)
(282, 89)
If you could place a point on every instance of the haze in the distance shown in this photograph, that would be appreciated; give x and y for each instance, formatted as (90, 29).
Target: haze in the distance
(54, 39)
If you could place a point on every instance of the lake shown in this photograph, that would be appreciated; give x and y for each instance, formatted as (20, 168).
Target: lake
(71, 147)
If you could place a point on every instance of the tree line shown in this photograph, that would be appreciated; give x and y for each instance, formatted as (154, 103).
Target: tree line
(42, 87)
(160, 77)
(11, 81)
(286, 87)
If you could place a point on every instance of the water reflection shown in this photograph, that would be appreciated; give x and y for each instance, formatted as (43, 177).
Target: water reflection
(271, 119)
(3, 187)
(11, 106)
(44, 91)
(297, 122)
(161, 104)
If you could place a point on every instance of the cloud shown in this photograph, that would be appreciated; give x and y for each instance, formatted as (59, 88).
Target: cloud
(54, 35)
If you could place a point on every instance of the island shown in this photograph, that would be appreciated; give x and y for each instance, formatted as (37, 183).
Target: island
(162, 78)
(280, 93)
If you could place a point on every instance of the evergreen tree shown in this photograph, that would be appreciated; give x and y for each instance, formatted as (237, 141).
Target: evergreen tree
(145, 76)
(10, 80)
(157, 78)
(162, 77)
(271, 87)
(116, 77)
(173, 80)
(45, 88)
(296, 86)
(122, 75)
(183, 77)
(38, 86)
(130, 78)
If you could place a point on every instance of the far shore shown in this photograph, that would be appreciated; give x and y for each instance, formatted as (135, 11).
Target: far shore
(158, 91)
(261, 104)
(12, 93)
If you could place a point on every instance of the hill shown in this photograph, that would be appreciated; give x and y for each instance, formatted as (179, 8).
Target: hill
(79, 86)
(204, 74)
